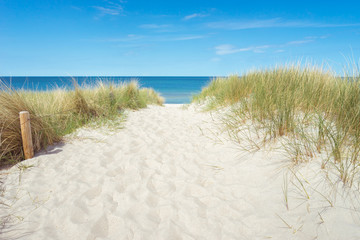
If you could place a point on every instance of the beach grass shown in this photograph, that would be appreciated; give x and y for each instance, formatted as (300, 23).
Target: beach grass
(309, 110)
(59, 112)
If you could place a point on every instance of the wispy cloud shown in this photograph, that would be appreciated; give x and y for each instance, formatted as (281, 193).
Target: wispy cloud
(298, 42)
(273, 23)
(108, 11)
(195, 15)
(76, 8)
(184, 38)
(147, 39)
(167, 38)
(110, 8)
(238, 25)
(279, 51)
(307, 39)
(225, 49)
(155, 26)
(127, 38)
(317, 37)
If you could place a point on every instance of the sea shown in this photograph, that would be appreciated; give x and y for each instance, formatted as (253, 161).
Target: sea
(175, 90)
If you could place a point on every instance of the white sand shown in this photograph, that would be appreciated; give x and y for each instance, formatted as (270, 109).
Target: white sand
(167, 175)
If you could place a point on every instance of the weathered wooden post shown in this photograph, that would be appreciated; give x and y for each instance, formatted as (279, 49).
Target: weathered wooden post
(26, 134)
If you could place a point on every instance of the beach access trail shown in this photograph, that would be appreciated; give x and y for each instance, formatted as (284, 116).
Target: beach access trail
(170, 173)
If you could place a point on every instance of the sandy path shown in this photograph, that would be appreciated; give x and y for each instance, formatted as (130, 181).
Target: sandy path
(161, 177)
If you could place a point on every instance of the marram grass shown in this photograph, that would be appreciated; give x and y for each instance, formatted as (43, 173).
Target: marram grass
(315, 111)
(59, 112)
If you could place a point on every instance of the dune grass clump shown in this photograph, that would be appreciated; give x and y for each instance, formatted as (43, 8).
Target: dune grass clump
(10, 145)
(314, 110)
(59, 112)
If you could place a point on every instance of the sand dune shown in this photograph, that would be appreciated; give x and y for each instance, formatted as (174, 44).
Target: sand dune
(168, 174)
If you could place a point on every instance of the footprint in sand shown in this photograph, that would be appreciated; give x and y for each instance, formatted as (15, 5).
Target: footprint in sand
(160, 187)
(79, 203)
(100, 228)
(93, 192)
(120, 187)
(78, 216)
(111, 173)
(108, 159)
(152, 200)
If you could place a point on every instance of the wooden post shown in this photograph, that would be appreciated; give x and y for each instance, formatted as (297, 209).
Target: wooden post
(26, 134)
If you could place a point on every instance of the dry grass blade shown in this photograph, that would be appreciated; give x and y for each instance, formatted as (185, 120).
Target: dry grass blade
(59, 112)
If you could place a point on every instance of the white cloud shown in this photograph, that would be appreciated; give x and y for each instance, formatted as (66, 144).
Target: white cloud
(108, 11)
(273, 23)
(154, 26)
(279, 51)
(127, 38)
(110, 8)
(317, 37)
(225, 49)
(238, 25)
(147, 39)
(184, 38)
(307, 39)
(298, 42)
(76, 8)
(195, 15)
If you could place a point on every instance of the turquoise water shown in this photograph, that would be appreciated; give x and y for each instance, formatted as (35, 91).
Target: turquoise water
(173, 89)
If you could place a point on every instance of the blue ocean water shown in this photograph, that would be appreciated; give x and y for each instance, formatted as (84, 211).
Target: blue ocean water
(173, 89)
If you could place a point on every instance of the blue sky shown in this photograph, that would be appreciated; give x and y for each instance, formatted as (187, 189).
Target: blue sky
(173, 38)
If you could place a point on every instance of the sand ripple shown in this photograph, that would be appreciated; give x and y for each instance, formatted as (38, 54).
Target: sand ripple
(161, 177)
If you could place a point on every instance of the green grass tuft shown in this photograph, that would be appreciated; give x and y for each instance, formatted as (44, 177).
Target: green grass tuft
(317, 111)
(59, 112)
